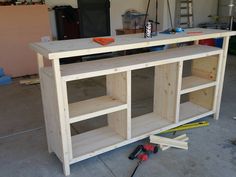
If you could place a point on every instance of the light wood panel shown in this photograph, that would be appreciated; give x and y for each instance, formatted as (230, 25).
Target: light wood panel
(51, 115)
(117, 87)
(221, 76)
(63, 119)
(204, 97)
(80, 47)
(180, 138)
(90, 143)
(190, 110)
(194, 83)
(94, 107)
(166, 90)
(205, 67)
(132, 62)
(168, 142)
(147, 123)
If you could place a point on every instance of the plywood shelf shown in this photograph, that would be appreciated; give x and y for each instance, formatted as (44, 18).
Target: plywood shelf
(94, 107)
(189, 110)
(81, 47)
(147, 123)
(132, 62)
(194, 83)
(89, 144)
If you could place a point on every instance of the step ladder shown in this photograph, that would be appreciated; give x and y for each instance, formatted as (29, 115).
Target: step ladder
(184, 14)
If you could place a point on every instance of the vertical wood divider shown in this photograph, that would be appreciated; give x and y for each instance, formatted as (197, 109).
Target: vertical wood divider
(129, 109)
(117, 88)
(167, 85)
(179, 87)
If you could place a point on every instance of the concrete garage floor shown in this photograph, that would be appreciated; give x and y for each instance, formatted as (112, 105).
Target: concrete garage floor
(23, 147)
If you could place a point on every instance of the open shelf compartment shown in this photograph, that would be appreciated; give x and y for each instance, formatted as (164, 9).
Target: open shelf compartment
(92, 141)
(166, 80)
(197, 103)
(111, 131)
(199, 74)
(147, 123)
(112, 98)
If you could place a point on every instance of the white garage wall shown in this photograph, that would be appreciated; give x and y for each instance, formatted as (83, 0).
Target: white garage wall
(202, 8)
(118, 7)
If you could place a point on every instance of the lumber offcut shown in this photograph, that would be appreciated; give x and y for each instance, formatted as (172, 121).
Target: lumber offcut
(183, 138)
(168, 142)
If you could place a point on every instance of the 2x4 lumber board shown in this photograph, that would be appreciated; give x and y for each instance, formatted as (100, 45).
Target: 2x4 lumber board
(180, 138)
(50, 114)
(80, 47)
(94, 107)
(168, 142)
(190, 110)
(147, 123)
(40, 63)
(117, 87)
(30, 81)
(63, 121)
(119, 123)
(218, 81)
(194, 83)
(222, 75)
(133, 62)
(178, 87)
(205, 67)
(92, 142)
(67, 117)
(166, 90)
(203, 98)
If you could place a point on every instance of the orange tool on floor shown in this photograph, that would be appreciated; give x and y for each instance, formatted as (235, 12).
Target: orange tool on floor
(104, 40)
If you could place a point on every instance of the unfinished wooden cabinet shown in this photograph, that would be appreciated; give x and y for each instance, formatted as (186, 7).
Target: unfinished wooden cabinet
(179, 96)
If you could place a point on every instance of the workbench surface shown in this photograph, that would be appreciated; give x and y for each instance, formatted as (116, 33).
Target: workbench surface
(81, 47)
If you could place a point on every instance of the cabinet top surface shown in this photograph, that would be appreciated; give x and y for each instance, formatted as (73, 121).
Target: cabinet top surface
(81, 47)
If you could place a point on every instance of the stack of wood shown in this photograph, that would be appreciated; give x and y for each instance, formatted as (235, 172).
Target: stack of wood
(166, 143)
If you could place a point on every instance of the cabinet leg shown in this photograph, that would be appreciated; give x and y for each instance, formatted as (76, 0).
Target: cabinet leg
(66, 169)
(216, 116)
(222, 75)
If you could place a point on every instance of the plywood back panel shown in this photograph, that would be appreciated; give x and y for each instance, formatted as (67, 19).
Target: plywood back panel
(204, 97)
(165, 90)
(21, 25)
(205, 67)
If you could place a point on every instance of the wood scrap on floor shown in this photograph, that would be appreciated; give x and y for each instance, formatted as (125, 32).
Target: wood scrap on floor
(30, 81)
(169, 142)
(183, 138)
